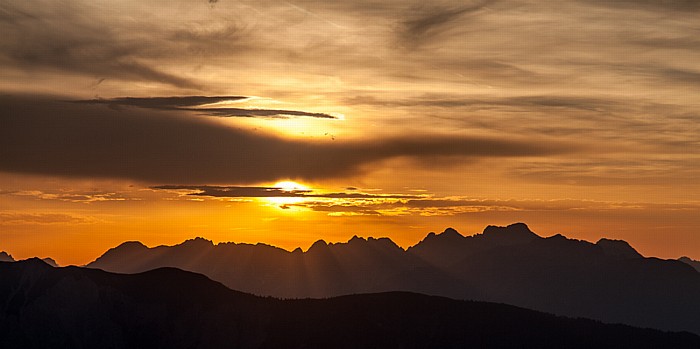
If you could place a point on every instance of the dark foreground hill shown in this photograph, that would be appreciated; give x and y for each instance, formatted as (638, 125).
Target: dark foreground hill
(607, 280)
(46, 307)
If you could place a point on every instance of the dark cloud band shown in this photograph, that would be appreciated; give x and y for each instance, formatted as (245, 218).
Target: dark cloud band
(86, 140)
(198, 104)
(265, 192)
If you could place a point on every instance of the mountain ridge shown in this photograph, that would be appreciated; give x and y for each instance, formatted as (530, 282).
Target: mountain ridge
(75, 307)
(607, 280)
(693, 263)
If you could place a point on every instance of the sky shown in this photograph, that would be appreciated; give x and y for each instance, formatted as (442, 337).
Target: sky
(286, 122)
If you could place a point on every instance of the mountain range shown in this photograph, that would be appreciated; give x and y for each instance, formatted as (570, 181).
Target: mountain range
(6, 257)
(607, 280)
(72, 307)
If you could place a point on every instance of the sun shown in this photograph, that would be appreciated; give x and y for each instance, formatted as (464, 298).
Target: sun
(288, 187)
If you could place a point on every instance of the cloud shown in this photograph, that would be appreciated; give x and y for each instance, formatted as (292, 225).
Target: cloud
(264, 192)
(11, 218)
(431, 21)
(451, 101)
(682, 75)
(199, 102)
(71, 195)
(82, 140)
(267, 113)
(162, 102)
(675, 5)
(611, 171)
(451, 206)
(55, 36)
(126, 42)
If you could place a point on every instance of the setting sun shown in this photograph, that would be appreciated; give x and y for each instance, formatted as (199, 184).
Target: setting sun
(287, 189)
(290, 186)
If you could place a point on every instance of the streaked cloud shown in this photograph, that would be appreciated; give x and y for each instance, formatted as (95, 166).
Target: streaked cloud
(12, 218)
(199, 104)
(452, 206)
(72, 195)
(264, 192)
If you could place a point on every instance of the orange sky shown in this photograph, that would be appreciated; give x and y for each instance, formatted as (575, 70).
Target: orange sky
(398, 117)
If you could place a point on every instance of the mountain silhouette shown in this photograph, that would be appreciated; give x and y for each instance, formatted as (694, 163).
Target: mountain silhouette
(607, 281)
(73, 307)
(693, 263)
(6, 257)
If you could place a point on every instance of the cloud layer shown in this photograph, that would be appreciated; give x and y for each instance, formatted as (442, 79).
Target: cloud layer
(85, 140)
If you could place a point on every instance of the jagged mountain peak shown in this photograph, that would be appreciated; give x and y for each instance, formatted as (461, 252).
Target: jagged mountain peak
(516, 229)
(50, 261)
(693, 263)
(451, 233)
(318, 245)
(199, 242)
(514, 234)
(131, 245)
(6, 257)
(35, 263)
(356, 238)
(382, 242)
(618, 248)
(446, 235)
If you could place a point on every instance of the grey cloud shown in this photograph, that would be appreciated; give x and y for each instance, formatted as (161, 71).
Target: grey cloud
(676, 5)
(71, 196)
(38, 218)
(613, 171)
(259, 192)
(682, 75)
(73, 37)
(267, 113)
(185, 102)
(162, 102)
(58, 138)
(79, 47)
(678, 43)
(452, 101)
(457, 206)
(432, 21)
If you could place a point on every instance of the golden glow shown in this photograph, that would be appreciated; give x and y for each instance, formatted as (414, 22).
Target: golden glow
(287, 186)
(290, 186)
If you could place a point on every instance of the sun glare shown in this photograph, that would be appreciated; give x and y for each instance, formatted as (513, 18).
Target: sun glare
(290, 186)
(284, 201)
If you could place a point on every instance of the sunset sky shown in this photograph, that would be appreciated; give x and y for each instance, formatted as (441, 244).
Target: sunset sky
(285, 122)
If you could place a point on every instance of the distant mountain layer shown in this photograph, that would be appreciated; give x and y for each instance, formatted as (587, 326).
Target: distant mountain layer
(5, 257)
(45, 307)
(693, 263)
(606, 281)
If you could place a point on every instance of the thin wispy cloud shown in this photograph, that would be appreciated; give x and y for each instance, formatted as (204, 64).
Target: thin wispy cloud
(199, 104)
(431, 21)
(274, 192)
